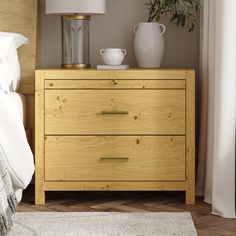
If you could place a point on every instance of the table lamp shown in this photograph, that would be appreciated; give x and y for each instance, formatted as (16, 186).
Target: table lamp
(75, 28)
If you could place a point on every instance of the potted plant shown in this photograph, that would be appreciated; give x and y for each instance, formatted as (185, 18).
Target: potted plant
(149, 42)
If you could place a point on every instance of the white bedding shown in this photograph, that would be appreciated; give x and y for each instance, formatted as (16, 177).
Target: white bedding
(13, 142)
(19, 103)
(9, 63)
(14, 147)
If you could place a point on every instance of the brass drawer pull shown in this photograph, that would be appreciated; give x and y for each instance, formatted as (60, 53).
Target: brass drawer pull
(115, 112)
(114, 81)
(114, 158)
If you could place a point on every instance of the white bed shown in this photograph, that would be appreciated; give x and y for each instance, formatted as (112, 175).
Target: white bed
(19, 102)
(14, 147)
(15, 153)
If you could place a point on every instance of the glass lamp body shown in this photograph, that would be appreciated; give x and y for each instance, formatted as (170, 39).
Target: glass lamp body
(75, 41)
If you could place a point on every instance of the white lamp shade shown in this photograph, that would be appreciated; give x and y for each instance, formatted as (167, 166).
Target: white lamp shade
(83, 7)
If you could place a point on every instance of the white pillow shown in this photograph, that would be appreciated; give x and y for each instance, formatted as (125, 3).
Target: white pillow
(9, 63)
(15, 38)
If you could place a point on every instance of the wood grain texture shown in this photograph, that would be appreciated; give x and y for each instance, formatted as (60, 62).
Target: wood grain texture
(122, 158)
(75, 114)
(190, 137)
(115, 186)
(149, 112)
(168, 74)
(115, 84)
(39, 138)
(20, 16)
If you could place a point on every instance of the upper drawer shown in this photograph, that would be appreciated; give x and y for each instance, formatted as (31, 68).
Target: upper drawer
(115, 84)
(115, 112)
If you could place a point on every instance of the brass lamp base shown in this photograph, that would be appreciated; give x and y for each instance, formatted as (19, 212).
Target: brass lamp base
(75, 66)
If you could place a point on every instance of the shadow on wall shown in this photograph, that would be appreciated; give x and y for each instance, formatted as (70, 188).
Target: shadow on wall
(115, 29)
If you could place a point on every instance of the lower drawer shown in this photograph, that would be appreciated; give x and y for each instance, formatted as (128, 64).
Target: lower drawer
(114, 158)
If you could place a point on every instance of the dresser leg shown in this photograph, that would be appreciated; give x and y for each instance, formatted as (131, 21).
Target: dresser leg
(39, 197)
(190, 197)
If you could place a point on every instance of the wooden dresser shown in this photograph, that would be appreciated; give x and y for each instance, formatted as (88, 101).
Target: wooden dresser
(130, 130)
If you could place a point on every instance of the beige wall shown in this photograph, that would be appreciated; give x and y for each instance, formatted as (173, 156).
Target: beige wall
(115, 29)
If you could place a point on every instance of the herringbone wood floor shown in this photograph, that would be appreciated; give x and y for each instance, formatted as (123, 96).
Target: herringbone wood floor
(206, 224)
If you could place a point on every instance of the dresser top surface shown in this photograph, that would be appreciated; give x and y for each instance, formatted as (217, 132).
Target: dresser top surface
(127, 70)
(163, 73)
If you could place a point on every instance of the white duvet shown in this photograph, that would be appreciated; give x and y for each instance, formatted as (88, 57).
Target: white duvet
(14, 147)
(13, 144)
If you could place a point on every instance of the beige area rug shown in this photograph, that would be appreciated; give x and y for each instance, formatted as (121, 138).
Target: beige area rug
(103, 224)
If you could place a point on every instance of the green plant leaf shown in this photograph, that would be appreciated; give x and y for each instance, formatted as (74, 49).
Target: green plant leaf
(173, 18)
(181, 11)
(183, 19)
(179, 20)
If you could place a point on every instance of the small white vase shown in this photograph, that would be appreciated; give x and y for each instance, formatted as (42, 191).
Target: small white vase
(113, 56)
(149, 44)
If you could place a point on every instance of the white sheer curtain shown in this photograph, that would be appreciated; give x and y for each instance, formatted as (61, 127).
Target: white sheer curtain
(216, 163)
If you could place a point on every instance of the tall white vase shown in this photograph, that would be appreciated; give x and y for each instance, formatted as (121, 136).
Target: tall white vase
(149, 44)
